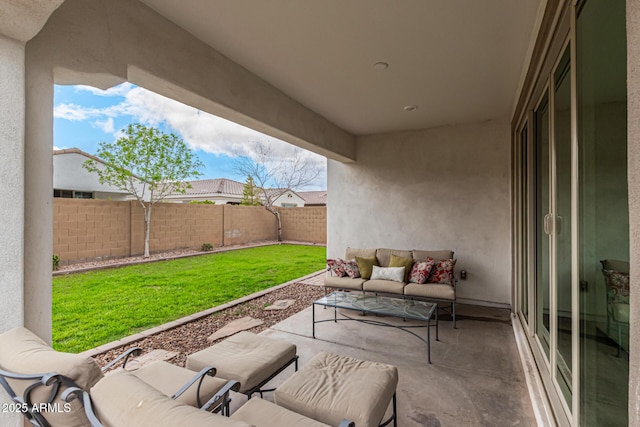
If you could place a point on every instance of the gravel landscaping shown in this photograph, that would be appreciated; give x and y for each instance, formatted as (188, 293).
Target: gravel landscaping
(191, 337)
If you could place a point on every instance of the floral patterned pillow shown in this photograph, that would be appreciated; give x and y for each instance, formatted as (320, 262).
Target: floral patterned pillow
(420, 271)
(442, 271)
(335, 266)
(351, 268)
(618, 286)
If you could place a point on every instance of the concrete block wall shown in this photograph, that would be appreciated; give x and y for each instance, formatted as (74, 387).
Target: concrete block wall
(91, 229)
(100, 229)
(304, 224)
(244, 224)
(176, 225)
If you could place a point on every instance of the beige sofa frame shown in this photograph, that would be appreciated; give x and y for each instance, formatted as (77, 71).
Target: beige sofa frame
(432, 292)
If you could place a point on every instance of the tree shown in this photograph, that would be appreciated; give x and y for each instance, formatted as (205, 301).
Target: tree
(148, 164)
(249, 196)
(290, 172)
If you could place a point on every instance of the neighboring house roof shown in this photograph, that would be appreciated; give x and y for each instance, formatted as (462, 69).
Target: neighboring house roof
(215, 186)
(230, 188)
(314, 197)
(77, 151)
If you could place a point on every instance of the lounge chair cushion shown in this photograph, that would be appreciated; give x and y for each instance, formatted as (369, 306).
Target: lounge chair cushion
(262, 413)
(168, 379)
(330, 388)
(122, 399)
(244, 357)
(23, 352)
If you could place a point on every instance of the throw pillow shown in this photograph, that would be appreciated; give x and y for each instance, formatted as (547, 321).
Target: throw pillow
(442, 272)
(407, 263)
(365, 265)
(395, 274)
(351, 268)
(420, 271)
(335, 267)
(618, 286)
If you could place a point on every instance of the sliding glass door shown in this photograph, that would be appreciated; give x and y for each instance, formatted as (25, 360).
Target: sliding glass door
(572, 225)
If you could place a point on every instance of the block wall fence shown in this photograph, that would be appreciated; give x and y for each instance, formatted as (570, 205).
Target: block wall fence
(86, 230)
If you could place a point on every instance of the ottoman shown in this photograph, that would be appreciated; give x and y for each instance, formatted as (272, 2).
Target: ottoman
(250, 359)
(332, 387)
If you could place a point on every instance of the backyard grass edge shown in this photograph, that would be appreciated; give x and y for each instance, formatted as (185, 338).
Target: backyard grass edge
(190, 318)
(215, 251)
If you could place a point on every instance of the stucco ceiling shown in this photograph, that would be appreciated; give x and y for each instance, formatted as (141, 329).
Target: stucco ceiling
(458, 60)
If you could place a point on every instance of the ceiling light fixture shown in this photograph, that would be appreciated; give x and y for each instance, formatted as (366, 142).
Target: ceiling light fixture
(410, 107)
(380, 66)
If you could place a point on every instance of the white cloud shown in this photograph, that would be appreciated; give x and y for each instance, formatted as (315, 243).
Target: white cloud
(120, 90)
(105, 125)
(200, 130)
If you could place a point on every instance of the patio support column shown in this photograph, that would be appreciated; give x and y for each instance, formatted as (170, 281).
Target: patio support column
(19, 22)
(633, 167)
(38, 197)
(12, 117)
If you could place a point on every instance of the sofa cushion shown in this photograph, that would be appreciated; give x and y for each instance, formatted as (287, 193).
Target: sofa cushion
(420, 271)
(384, 286)
(617, 286)
(351, 268)
(407, 263)
(336, 267)
(430, 290)
(365, 265)
(352, 253)
(384, 255)
(442, 272)
(395, 274)
(419, 255)
(616, 265)
(344, 283)
(122, 399)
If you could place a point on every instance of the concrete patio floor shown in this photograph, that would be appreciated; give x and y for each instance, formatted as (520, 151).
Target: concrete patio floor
(476, 378)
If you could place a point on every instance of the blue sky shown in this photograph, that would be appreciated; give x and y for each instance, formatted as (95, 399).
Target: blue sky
(85, 116)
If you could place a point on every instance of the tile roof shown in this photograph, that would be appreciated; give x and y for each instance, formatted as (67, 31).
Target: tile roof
(216, 186)
(314, 197)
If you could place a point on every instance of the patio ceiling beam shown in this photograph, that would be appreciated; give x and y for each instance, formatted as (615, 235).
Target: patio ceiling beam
(104, 42)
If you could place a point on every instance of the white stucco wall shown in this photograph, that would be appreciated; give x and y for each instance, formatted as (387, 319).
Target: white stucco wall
(633, 167)
(289, 197)
(68, 174)
(12, 177)
(441, 188)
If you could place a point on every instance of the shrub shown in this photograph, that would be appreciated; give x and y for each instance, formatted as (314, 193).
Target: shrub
(55, 261)
(206, 247)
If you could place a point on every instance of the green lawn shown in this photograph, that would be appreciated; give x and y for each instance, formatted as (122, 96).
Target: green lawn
(90, 309)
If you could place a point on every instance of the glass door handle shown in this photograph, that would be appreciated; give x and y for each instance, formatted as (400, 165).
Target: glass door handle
(548, 224)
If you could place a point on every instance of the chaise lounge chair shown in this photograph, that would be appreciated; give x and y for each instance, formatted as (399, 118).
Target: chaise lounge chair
(34, 375)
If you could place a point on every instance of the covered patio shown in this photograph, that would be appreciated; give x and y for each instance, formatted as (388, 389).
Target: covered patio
(476, 378)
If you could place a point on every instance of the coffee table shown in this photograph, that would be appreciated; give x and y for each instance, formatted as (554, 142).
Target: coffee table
(380, 305)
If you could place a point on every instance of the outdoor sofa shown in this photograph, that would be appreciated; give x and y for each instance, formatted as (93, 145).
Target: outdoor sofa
(417, 274)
